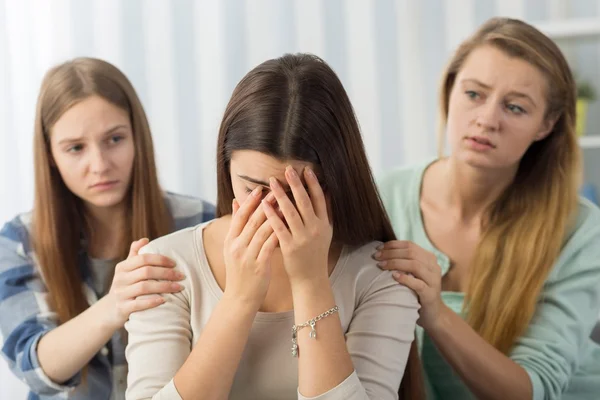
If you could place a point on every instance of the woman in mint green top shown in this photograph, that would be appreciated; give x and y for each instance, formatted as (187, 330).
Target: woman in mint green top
(503, 254)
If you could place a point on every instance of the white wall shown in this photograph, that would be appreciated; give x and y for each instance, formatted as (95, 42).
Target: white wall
(184, 57)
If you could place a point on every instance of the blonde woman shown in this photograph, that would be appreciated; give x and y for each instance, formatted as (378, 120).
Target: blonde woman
(504, 255)
(63, 296)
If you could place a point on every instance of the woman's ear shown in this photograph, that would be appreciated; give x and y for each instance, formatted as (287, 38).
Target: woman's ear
(546, 128)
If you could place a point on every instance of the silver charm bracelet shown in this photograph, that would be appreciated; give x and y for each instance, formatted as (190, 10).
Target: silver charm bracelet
(311, 323)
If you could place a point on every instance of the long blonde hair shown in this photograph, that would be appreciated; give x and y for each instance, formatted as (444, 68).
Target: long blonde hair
(519, 245)
(58, 221)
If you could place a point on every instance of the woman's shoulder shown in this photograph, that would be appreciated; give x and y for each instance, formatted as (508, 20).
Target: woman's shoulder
(360, 273)
(585, 230)
(188, 210)
(401, 175)
(177, 241)
(402, 184)
(581, 249)
(16, 233)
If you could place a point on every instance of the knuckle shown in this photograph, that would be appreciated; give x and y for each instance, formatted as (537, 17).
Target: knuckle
(146, 272)
(253, 223)
(235, 248)
(303, 202)
(145, 286)
(146, 258)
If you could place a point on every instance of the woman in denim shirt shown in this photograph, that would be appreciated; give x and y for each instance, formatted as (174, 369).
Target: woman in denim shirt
(63, 297)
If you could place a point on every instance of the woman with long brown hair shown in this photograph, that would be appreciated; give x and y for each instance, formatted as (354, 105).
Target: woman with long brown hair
(283, 299)
(64, 298)
(504, 255)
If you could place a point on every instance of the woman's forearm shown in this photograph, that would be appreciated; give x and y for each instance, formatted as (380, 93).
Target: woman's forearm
(324, 362)
(210, 368)
(487, 372)
(65, 350)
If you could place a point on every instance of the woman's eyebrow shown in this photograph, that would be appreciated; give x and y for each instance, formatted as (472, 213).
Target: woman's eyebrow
(249, 179)
(286, 187)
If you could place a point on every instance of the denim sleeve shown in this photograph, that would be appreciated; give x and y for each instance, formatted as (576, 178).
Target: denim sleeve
(24, 312)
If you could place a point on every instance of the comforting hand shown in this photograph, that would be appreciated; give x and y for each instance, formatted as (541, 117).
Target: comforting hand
(139, 275)
(249, 245)
(417, 269)
(306, 239)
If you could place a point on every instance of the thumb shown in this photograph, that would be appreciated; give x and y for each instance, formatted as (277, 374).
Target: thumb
(136, 246)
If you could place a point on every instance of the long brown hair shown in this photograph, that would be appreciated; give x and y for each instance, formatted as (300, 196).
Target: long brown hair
(519, 246)
(295, 107)
(58, 221)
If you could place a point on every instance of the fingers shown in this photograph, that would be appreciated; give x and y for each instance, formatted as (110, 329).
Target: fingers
(303, 201)
(155, 273)
(252, 226)
(406, 266)
(277, 224)
(415, 268)
(403, 254)
(136, 247)
(244, 212)
(411, 282)
(259, 239)
(316, 194)
(150, 287)
(290, 213)
(405, 250)
(139, 261)
(143, 303)
(268, 248)
(235, 206)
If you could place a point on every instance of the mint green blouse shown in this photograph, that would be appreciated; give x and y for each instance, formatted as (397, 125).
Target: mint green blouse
(556, 350)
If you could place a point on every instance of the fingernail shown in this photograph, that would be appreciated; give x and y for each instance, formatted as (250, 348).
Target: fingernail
(311, 173)
(396, 274)
(176, 286)
(256, 191)
(159, 300)
(377, 255)
(382, 263)
(380, 247)
(270, 196)
(274, 183)
(179, 275)
(292, 172)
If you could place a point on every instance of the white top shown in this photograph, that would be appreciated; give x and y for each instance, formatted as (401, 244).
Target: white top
(377, 314)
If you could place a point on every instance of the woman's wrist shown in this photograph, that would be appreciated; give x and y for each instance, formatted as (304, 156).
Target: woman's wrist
(105, 308)
(239, 306)
(441, 324)
(311, 287)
